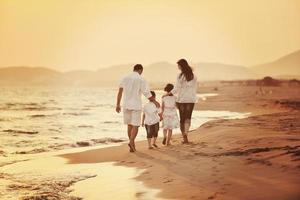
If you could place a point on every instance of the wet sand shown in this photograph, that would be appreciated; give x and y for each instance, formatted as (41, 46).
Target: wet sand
(253, 158)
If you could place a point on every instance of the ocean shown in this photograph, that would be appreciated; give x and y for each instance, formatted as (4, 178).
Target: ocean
(42, 119)
(39, 121)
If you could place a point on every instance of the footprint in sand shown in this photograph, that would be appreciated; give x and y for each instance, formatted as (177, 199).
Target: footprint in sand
(215, 169)
(168, 181)
(212, 196)
(140, 194)
(217, 193)
(222, 192)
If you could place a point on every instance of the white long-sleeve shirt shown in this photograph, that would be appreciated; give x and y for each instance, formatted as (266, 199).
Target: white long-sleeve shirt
(134, 85)
(186, 91)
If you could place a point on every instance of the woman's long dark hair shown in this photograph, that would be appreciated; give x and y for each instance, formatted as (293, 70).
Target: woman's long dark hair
(186, 70)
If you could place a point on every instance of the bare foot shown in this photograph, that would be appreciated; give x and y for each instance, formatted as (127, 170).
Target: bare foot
(131, 149)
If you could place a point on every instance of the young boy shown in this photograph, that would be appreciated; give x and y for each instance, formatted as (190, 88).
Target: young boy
(151, 120)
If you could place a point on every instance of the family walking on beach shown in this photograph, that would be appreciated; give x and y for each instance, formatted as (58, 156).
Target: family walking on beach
(182, 96)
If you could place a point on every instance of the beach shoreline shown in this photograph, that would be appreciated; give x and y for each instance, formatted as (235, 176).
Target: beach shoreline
(245, 158)
(252, 158)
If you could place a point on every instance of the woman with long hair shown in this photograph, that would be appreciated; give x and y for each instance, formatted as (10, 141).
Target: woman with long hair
(186, 91)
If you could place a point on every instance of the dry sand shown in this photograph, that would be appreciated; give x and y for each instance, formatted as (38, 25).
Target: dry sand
(257, 158)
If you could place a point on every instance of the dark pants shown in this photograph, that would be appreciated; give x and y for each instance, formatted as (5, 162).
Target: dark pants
(152, 130)
(185, 114)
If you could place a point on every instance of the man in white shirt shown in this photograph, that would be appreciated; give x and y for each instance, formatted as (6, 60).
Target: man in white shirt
(133, 86)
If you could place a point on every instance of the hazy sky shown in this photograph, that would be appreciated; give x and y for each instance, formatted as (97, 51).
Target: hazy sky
(89, 34)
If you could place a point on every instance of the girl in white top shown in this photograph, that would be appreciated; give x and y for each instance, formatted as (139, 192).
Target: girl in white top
(186, 92)
(169, 114)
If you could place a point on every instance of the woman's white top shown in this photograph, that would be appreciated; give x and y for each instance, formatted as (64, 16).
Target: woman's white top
(186, 91)
(151, 114)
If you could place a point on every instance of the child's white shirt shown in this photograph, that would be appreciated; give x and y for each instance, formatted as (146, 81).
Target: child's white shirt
(151, 114)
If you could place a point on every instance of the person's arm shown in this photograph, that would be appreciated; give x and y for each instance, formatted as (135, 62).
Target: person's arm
(145, 89)
(119, 97)
(143, 120)
(196, 84)
(162, 110)
(152, 99)
(177, 86)
(146, 92)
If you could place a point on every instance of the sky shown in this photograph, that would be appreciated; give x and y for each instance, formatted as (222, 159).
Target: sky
(91, 34)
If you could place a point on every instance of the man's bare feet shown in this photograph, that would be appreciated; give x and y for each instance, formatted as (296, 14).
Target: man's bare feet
(131, 149)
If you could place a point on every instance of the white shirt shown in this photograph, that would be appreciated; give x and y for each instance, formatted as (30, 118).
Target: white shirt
(151, 114)
(134, 85)
(186, 91)
(169, 106)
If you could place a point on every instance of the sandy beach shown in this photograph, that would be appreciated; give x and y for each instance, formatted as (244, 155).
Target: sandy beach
(77, 77)
(253, 158)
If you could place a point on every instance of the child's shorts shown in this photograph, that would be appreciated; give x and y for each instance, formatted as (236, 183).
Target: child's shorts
(152, 130)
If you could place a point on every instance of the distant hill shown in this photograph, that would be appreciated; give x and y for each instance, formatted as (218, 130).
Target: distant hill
(160, 72)
(288, 66)
(218, 71)
(30, 75)
(114, 73)
(79, 77)
(166, 72)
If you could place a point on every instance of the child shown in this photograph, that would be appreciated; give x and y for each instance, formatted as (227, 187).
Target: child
(169, 114)
(151, 120)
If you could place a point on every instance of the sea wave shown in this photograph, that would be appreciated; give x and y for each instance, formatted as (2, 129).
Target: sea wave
(111, 122)
(94, 142)
(42, 115)
(85, 126)
(27, 107)
(20, 131)
(61, 146)
(76, 113)
(43, 187)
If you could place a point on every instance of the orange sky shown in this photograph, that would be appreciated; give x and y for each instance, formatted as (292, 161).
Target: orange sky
(89, 34)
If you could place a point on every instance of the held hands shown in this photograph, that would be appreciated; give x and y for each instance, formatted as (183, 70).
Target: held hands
(118, 108)
(160, 116)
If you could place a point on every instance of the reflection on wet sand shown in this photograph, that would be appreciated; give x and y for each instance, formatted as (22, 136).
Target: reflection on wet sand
(51, 178)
